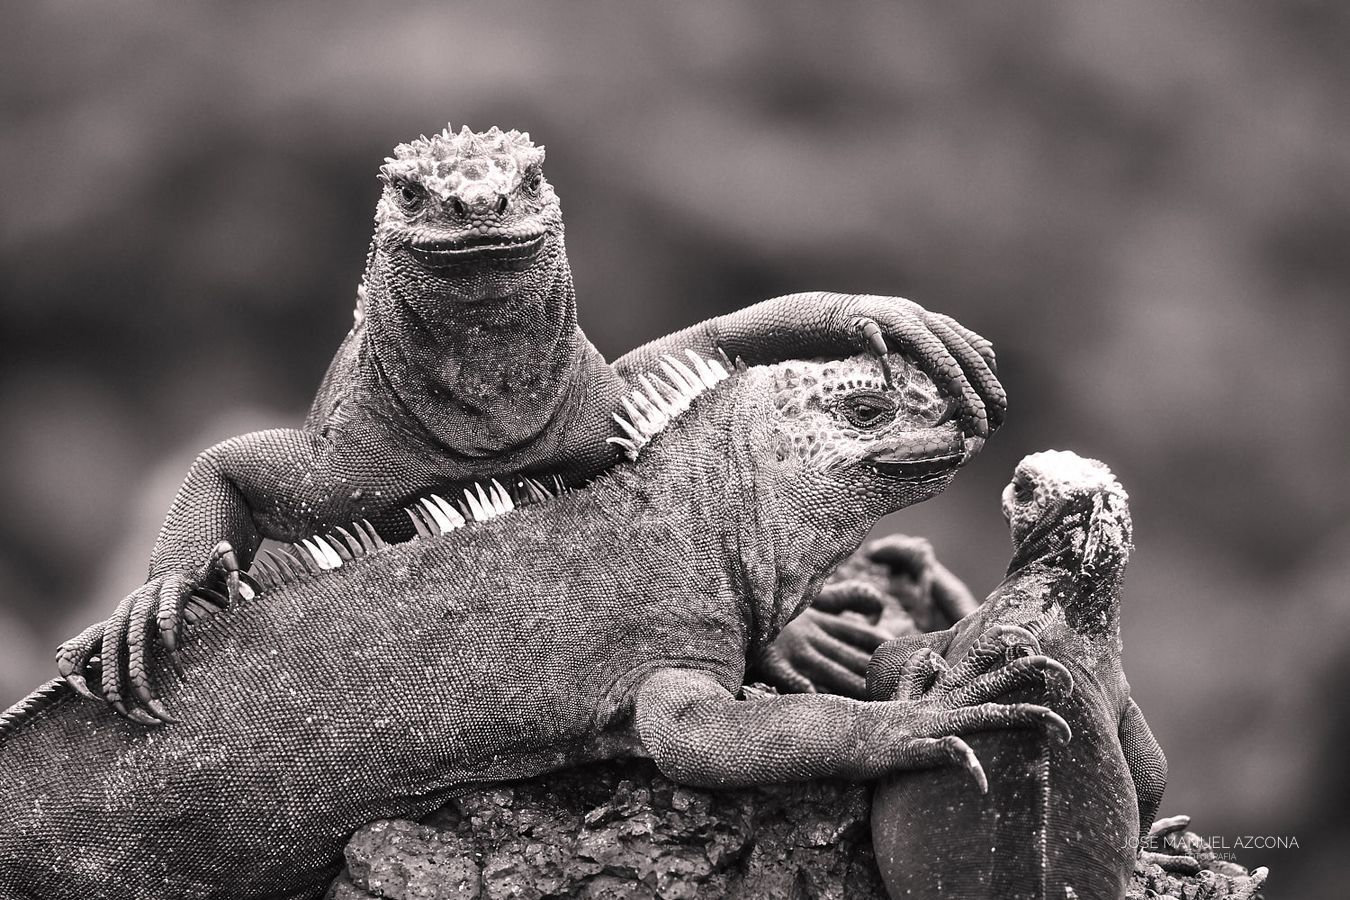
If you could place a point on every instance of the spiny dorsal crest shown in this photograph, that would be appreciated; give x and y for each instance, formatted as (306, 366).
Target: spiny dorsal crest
(445, 162)
(431, 516)
(648, 411)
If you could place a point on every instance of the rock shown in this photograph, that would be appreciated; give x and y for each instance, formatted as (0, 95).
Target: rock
(622, 830)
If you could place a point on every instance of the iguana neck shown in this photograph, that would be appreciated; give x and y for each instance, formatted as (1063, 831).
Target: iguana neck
(480, 375)
(784, 556)
(1055, 577)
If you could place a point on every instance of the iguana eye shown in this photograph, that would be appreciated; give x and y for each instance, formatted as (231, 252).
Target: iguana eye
(534, 178)
(411, 197)
(1023, 492)
(869, 410)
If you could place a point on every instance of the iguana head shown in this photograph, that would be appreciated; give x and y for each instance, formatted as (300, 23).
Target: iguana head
(800, 458)
(467, 214)
(1070, 514)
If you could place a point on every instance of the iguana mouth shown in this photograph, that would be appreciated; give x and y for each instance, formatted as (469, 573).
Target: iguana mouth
(923, 455)
(512, 250)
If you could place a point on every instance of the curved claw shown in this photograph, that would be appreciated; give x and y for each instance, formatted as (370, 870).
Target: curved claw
(133, 714)
(225, 563)
(113, 633)
(948, 751)
(1021, 672)
(1000, 644)
(989, 716)
(139, 621)
(962, 755)
(72, 658)
(876, 342)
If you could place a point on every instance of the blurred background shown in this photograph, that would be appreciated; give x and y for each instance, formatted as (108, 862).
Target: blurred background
(1145, 206)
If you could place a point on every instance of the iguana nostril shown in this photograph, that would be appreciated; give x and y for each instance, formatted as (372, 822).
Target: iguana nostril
(501, 204)
(457, 205)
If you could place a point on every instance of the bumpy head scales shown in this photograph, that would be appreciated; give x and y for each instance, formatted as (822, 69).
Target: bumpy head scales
(449, 164)
(1062, 502)
(838, 412)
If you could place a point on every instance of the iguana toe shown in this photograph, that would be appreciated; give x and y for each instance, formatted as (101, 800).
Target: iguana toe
(72, 658)
(999, 645)
(949, 751)
(1025, 672)
(919, 673)
(988, 716)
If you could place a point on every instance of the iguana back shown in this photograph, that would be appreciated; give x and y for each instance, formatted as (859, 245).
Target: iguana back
(359, 694)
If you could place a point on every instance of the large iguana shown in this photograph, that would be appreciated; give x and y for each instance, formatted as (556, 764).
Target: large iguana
(465, 362)
(608, 620)
(1059, 821)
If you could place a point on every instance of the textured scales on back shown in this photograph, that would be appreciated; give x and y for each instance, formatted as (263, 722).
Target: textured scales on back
(1059, 821)
(612, 619)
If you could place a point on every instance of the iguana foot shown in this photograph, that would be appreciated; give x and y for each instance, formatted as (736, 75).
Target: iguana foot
(954, 701)
(960, 362)
(120, 648)
(1175, 863)
(819, 651)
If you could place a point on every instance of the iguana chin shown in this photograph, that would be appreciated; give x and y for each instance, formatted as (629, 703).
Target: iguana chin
(513, 638)
(465, 362)
(1059, 821)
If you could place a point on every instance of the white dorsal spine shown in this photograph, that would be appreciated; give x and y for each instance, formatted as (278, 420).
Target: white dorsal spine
(431, 516)
(662, 397)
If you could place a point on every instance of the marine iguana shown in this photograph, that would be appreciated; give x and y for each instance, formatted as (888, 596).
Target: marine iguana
(1058, 821)
(612, 619)
(465, 362)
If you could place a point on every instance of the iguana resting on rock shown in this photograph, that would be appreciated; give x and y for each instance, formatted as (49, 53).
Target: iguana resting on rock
(465, 363)
(609, 620)
(1059, 821)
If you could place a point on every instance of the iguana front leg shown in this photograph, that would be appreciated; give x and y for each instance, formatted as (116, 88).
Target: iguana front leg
(698, 734)
(228, 501)
(821, 324)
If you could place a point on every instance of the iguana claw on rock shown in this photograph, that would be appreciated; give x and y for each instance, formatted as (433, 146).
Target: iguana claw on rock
(1060, 819)
(465, 362)
(610, 620)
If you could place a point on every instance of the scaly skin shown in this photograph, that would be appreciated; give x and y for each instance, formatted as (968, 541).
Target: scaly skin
(465, 362)
(614, 619)
(1059, 820)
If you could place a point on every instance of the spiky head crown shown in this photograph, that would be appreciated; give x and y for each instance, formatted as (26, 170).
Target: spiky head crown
(445, 162)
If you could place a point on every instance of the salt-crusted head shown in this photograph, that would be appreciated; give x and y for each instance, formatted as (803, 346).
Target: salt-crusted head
(1071, 513)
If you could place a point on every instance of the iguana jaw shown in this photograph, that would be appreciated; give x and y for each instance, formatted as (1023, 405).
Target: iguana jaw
(919, 455)
(513, 250)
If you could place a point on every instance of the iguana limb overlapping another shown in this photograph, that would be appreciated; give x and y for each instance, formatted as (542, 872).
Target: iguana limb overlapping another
(1059, 820)
(615, 619)
(465, 362)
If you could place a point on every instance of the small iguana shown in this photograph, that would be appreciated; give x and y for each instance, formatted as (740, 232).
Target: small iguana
(368, 681)
(465, 363)
(1059, 821)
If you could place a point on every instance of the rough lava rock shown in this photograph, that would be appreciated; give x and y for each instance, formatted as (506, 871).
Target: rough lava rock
(621, 830)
